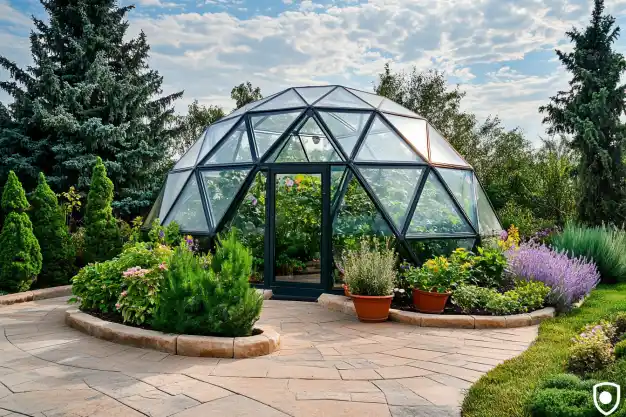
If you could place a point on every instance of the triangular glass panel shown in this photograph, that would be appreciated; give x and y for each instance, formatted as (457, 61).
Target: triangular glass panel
(250, 106)
(370, 98)
(461, 183)
(154, 211)
(286, 100)
(173, 186)
(235, 148)
(291, 151)
(312, 94)
(213, 135)
(441, 151)
(221, 188)
(346, 127)
(383, 144)
(188, 160)
(413, 130)
(488, 224)
(389, 106)
(340, 97)
(188, 211)
(268, 128)
(337, 178)
(436, 212)
(317, 145)
(394, 188)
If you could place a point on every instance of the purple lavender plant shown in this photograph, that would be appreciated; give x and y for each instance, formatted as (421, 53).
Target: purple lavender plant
(569, 279)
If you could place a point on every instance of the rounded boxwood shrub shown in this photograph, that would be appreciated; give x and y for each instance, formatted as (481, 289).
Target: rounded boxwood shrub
(49, 227)
(20, 254)
(562, 381)
(554, 402)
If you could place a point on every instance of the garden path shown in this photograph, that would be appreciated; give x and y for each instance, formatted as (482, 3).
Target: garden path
(329, 365)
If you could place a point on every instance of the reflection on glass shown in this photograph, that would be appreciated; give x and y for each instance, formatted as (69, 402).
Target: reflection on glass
(461, 183)
(173, 185)
(236, 148)
(298, 221)
(489, 224)
(249, 220)
(214, 134)
(337, 177)
(441, 151)
(268, 128)
(428, 249)
(284, 101)
(382, 144)
(436, 212)
(342, 98)
(413, 130)
(188, 211)
(346, 127)
(221, 188)
(312, 94)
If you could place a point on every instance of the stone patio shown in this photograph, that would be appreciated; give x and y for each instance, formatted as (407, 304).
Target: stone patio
(329, 365)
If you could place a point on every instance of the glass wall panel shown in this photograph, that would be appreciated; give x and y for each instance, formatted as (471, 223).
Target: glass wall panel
(268, 128)
(370, 98)
(312, 94)
(382, 144)
(249, 220)
(286, 100)
(188, 160)
(346, 127)
(292, 151)
(235, 148)
(173, 186)
(221, 188)
(340, 97)
(488, 222)
(214, 134)
(155, 210)
(436, 211)
(188, 211)
(395, 188)
(428, 249)
(413, 130)
(441, 151)
(461, 183)
(393, 107)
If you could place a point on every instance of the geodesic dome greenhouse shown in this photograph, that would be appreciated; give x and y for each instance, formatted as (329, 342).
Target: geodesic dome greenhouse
(306, 172)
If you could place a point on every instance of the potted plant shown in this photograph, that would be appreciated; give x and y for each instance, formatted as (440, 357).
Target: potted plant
(369, 273)
(432, 284)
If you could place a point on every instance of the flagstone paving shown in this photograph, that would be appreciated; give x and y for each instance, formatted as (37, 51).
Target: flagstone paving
(329, 364)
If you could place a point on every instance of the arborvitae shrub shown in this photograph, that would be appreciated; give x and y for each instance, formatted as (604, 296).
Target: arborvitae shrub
(49, 227)
(102, 236)
(20, 254)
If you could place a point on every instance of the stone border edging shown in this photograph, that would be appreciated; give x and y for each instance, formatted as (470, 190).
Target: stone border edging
(183, 345)
(345, 305)
(42, 294)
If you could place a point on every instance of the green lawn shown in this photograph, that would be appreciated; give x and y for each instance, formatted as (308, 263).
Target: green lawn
(506, 389)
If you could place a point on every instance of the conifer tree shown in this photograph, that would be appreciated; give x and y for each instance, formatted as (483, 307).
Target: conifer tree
(88, 93)
(102, 236)
(590, 112)
(54, 239)
(20, 255)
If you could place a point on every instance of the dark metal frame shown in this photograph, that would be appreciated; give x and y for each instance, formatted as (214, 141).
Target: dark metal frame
(330, 207)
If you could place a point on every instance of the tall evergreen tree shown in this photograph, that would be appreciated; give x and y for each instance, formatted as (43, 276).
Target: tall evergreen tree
(89, 93)
(590, 112)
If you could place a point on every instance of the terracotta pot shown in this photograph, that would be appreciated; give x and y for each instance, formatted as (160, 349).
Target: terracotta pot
(372, 309)
(430, 302)
(346, 291)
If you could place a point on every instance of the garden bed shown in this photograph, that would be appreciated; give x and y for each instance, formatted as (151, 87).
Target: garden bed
(345, 305)
(42, 294)
(265, 340)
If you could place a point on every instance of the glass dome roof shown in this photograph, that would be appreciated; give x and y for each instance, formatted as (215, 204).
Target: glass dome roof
(421, 187)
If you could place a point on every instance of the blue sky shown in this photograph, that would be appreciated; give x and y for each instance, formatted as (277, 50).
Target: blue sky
(500, 52)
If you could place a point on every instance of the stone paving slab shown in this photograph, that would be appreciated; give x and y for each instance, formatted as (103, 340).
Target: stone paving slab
(329, 364)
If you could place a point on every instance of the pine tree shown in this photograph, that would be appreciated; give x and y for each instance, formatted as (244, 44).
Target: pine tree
(20, 255)
(89, 93)
(54, 239)
(590, 112)
(102, 236)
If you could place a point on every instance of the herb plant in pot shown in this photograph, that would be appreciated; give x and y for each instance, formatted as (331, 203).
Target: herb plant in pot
(432, 284)
(369, 273)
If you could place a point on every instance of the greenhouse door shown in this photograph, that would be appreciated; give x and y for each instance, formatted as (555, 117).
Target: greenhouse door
(298, 223)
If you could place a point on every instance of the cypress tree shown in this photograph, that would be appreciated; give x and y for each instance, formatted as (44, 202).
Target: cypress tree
(54, 239)
(590, 112)
(20, 255)
(88, 93)
(102, 236)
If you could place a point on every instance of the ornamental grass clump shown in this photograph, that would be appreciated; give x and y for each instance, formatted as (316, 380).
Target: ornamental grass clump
(370, 269)
(570, 279)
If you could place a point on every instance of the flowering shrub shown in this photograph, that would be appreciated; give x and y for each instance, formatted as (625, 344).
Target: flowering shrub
(370, 270)
(509, 239)
(569, 279)
(525, 297)
(592, 349)
(438, 274)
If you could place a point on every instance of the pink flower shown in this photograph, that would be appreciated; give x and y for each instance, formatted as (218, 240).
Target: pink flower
(163, 266)
(118, 306)
(124, 293)
(289, 182)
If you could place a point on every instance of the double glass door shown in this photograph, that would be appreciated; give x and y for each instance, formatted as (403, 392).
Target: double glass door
(299, 220)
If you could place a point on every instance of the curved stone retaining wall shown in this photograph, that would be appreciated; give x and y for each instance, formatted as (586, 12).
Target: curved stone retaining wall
(22, 297)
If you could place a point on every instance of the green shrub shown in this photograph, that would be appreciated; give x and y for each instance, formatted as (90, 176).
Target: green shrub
(553, 402)
(619, 322)
(470, 298)
(620, 349)
(503, 304)
(523, 218)
(370, 270)
(525, 297)
(78, 242)
(487, 268)
(102, 236)
(167, 235)
(196, 298)
(20, 254)
(605, 245)
(591, 351)
(562, 381)
(50, 229)
(531, 295)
